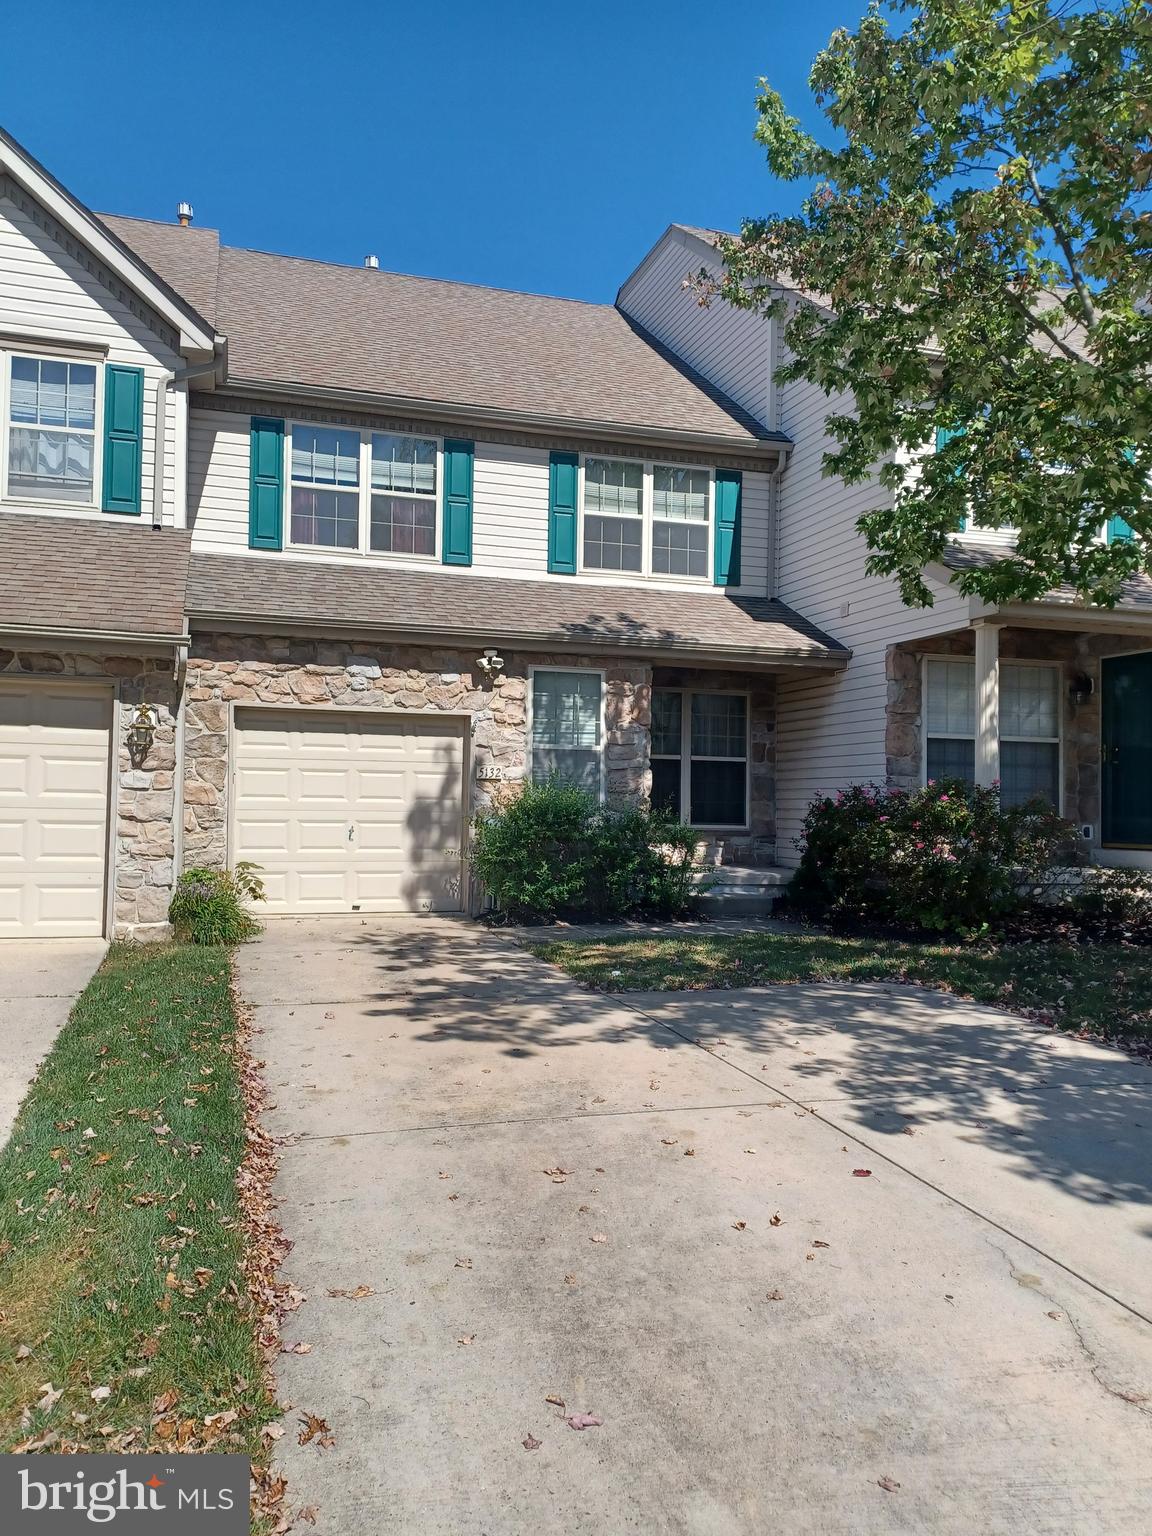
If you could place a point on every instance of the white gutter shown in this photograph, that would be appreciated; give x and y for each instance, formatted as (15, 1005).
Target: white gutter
(565, 426)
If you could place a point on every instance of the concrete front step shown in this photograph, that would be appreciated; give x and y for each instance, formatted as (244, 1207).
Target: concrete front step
(742, 890)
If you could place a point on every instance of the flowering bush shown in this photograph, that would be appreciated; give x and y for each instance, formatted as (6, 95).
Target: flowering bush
(946, 857)
(210, 906)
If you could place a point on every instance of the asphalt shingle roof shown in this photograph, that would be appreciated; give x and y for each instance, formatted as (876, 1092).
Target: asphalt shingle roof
(1135, 593)
(496, 609)
(92, 574)
(323, 326)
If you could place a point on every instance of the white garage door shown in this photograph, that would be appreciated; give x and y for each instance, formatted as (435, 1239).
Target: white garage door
(351, 813)
(54, 743)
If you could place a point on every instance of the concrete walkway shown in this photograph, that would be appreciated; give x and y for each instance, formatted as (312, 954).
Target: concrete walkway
(40, 979)
(772, 1340)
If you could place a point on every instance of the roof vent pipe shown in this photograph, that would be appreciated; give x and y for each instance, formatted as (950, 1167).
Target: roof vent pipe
(184, 213)
(373, 262)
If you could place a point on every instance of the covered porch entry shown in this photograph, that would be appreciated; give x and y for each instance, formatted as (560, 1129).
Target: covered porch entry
(1057, 705)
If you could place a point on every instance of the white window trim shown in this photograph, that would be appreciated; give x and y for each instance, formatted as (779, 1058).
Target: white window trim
(647, 520)
(64, 355)
(364, 495)
(530, 743)
(1015, 661)
(687, 759)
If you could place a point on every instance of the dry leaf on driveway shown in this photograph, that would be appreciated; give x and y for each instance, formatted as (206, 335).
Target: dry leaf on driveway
(740, 1225)
(358, 1294)
(599, 1237)
(889, 1484)
(861, 1173)
(583, 1421)
(776, 1221)
(308, 1514)
(314, 1428)
(530, 1442)
(466, 1338)
(668, 1141)
(775, 1295)
(818, 1243)
(555, 1400)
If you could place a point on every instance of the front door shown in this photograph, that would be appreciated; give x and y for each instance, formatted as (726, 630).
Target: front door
(1126, 750)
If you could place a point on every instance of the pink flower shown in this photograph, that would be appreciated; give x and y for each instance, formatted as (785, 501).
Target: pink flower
(943, 798)
(919, 845)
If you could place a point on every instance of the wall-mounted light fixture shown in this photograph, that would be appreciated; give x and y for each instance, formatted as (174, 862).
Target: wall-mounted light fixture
(141, 734)
(1081, 689)
(491, 662)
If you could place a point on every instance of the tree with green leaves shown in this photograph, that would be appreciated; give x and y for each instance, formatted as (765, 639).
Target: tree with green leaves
(976, 251)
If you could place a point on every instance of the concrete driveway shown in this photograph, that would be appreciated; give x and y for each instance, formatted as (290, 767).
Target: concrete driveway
(40, 979)
(649, 1209)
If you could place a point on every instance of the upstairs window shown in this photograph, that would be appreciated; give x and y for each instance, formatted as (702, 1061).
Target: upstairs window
(568, 727)
(680, 503)
(403, 524)
(326, 487)
(52, 430)
(650, 519)
(613, 515)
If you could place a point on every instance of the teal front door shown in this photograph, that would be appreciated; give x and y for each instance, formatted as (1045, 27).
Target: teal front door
(1126, 750)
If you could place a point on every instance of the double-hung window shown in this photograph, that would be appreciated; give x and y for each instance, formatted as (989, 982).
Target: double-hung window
(568, 727)
(646, 518)
(403, 516)
(51, 436)
(326, 487)
(613, 515)
(375, 492)
(1029, 727)
(700, 757)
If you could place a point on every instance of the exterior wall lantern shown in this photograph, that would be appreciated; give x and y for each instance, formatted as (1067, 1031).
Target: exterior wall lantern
(491, 662)
(1081, 689)
(141, 734)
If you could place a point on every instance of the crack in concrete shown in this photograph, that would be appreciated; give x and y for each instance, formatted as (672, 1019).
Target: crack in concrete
(1137, 1400)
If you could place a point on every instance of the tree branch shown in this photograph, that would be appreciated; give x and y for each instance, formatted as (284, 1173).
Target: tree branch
(1043, 327)
(1064, 241)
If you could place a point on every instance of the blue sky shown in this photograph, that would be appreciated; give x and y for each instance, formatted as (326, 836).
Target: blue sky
(527, 145)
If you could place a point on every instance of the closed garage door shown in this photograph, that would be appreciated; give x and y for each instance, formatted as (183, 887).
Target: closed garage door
(54, 743)
(351, 813)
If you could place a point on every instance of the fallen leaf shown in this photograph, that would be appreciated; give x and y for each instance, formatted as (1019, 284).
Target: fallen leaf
(101, 1158)
(669, 1141)
(776, 1221)
(889, 1484)
(864, 1173)
(751, 1150)
(908, 1131)
(583, 1421)
(740, 1225)
(88, 1134)
(466, 1338)
(165, 1402)
(689, 1151)
(23, 1352)
(1056, 1316)
(599, 1237)
(296, 1349)
(453, 1197)
(530, 1442)
(463, 1264)
(100, 1394)
(775, 1295)
(359, 1293)
(569, 1279)
(308, 1514)
(819, 1243)
(557, 1173)
(273, 1431)
(443, 1175)
(557, 1402)
(312, 1426)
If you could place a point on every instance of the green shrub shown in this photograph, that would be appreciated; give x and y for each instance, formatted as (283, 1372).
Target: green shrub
(946, 857)
(1111, 906)
(554, 851)
(209, 905)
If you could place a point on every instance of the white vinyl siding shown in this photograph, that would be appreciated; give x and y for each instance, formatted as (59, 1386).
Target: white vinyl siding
(48, 295)
(510, 509)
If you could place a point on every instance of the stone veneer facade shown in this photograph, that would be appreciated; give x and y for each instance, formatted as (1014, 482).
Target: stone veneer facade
(356, 675)
(1078, 654)
(143, 798)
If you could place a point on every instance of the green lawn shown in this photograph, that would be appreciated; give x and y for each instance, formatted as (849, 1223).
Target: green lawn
(122, 1286)
(1105, 990)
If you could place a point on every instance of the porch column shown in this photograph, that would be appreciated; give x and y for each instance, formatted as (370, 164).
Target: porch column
(987, 702)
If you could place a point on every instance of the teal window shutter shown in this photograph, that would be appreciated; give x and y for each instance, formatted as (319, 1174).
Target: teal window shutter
(458, 463)
(945, 435)
(123, 438)
(1118, 529)
(266, 484)
(563, 478)
(726, 573)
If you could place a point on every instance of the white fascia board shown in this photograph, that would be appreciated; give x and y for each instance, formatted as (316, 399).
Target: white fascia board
(196, 337)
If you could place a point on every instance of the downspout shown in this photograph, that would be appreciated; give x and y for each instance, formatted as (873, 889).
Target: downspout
(163, 383)
(180, 673)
